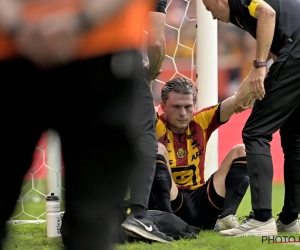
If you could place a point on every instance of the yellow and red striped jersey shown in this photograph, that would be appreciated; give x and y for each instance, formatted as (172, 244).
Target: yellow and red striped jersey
(186, 151)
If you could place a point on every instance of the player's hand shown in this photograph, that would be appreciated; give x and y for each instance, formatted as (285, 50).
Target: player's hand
(51, 41)
(244, 99)
(243, 94)
(257, 77)
(242, 107)
(157, 74)
(150, 75)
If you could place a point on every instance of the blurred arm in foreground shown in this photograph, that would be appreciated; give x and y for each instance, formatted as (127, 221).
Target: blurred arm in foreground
(156, 46)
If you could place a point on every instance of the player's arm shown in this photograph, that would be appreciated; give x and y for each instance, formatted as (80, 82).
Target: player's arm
(209, 119)
(228, 108)
(266, 18)
(156, 45)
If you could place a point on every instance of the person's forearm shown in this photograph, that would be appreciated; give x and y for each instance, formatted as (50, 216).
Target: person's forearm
(156, 55)
(227, 108)
(244, 89)
(156, 46)
(265, 34)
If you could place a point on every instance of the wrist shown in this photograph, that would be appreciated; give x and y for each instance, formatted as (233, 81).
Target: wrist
(259, 64)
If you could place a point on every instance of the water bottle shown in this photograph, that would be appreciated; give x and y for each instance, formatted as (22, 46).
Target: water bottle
(53, 216)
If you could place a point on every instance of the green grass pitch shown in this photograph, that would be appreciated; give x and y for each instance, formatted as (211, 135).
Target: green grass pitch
(33, 237)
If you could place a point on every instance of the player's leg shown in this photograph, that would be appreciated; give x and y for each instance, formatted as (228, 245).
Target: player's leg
(140, 185)
(267, 116)
(165, 195)
(98, 140)
(163, 189)
(206, 205)
(19, 143)
(21, 127)
(290, 142)
(98, 144)
(231, 181)
(142, 179)
(223, 192)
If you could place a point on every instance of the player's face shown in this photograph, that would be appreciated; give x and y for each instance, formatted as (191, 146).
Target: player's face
(219, 9)
(178, 111)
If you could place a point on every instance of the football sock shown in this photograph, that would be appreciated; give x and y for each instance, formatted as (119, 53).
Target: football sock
(138, 211)
(286, 217)
(161, 186)
(262, 214)
(236, 183)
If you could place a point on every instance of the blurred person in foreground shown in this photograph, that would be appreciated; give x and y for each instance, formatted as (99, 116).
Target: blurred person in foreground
(60, 61)
(275, 24)
(179, 186)
(137, 224)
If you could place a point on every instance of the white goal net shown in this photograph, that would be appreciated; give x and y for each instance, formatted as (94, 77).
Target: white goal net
(180, 33)
(44, 178)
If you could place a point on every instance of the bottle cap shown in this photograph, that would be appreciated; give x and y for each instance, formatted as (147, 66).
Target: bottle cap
(52, 198)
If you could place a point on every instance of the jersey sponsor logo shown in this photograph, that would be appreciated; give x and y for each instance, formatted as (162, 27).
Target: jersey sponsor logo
(185, 176)
(197, 154)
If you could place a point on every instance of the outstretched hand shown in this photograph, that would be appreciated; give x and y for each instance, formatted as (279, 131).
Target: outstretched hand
(245, 98)
(242, 107)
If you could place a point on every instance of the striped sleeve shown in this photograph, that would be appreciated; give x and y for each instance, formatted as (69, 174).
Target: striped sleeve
(209, 119)
(160, 127)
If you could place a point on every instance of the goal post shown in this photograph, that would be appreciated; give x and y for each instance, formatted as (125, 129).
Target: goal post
(54, 163)
(207, 76)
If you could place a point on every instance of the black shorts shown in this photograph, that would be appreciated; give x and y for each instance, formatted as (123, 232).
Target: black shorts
(200, 207)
